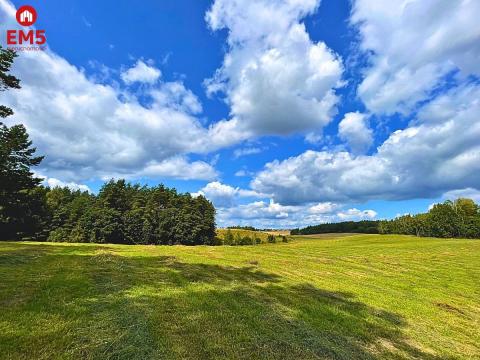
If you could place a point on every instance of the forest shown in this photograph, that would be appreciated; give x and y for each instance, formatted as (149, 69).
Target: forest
(120, 213)
(363, 227)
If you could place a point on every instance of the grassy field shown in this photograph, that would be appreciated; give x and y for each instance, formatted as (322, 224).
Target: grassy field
(354, 297)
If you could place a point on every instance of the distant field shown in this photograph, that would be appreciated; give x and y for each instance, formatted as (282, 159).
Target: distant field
(354, 297)
(323, 236)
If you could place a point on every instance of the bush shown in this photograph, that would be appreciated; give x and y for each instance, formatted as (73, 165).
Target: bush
(229, 239)
(238, 239)
(216, 241)
(247, 240)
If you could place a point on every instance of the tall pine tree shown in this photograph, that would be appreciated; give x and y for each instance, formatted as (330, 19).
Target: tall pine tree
(19, 200)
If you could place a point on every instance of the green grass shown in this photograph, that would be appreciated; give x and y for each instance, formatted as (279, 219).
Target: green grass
(354, 297)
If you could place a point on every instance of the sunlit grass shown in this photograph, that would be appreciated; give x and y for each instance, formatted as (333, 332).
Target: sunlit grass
(362, 296)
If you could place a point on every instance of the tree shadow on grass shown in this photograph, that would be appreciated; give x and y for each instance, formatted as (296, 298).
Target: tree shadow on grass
(116, 307)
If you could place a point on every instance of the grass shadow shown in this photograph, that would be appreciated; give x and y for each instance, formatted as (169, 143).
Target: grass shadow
(87, 302)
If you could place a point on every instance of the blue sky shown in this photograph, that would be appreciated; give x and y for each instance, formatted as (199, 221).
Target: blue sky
(284, 113)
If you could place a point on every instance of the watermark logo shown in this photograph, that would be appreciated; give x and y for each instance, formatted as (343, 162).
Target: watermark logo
(28, 39)
(26, 15)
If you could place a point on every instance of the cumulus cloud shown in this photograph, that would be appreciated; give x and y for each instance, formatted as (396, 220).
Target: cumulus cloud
(270, 214)
(92, 130)
(276, 79)
(178, 167)
(469, 193)
(355, 215)
(53, 183)
(223, 195)
(355, 131)
(437, 153)
(174, 95)
(141, 72)
(259, 210)
(267, 213)
(323, 208)
(413, 45)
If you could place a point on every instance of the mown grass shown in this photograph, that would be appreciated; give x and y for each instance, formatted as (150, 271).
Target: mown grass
(355, 297)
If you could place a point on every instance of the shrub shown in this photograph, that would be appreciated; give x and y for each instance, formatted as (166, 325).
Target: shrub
(246, 240)
(238, 239)
(229, 239)
(216, 241)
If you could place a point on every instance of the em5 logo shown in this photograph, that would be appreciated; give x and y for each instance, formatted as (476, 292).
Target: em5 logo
(26, 16)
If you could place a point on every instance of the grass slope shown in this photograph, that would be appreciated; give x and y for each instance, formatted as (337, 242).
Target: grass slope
(355, 297)
(253, 234)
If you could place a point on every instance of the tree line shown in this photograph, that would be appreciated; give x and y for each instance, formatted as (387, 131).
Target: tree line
(451, 219)
(120, 213)
(129, 214)
(238, 227)
(364, 227)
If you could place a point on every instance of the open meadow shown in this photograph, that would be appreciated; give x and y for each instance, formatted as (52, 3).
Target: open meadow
(352, 297)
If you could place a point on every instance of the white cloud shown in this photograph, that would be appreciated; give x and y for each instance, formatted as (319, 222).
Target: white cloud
(53, 183)
(259, 210)
(438, 152)
(241, 173)
(263, 214)
(468, 193)
(270, 214)
(355, 215)
(277, 80)
(355, 131)
(91, 130)
(323, 208)
(174, 95)
(141, 72)
(246, 151)
(179, 168)
(413, 44)
(318, 176)
(223, 195)
(314, 137)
